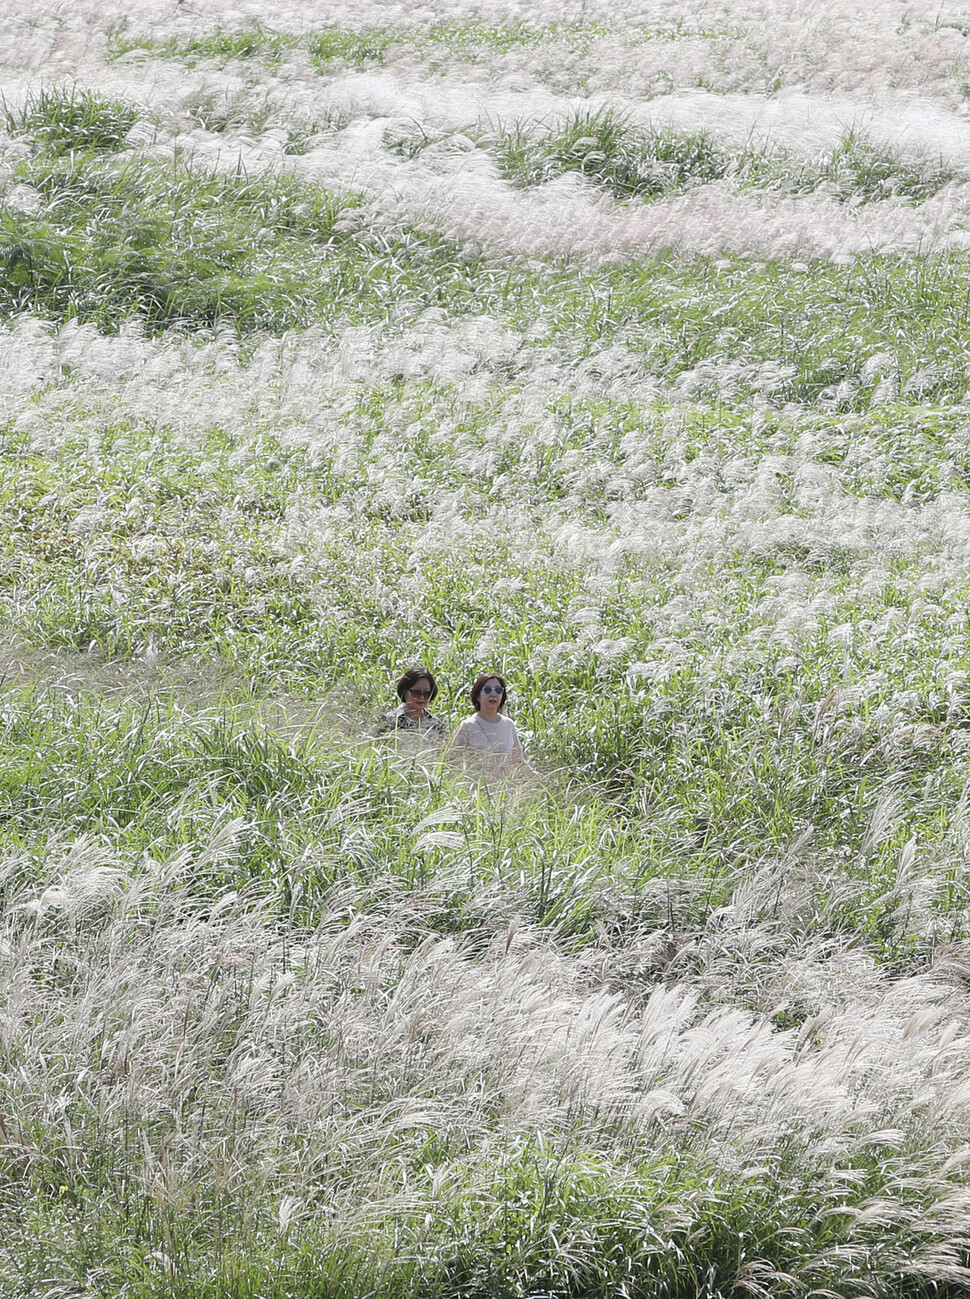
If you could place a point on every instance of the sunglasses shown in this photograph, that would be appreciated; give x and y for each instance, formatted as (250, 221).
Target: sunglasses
(419, 694)
(493, 690)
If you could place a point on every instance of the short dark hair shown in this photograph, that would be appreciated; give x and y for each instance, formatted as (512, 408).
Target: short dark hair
(476, 690)
(412, 677)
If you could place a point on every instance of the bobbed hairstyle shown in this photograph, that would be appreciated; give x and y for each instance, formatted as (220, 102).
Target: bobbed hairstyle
(411, 678)
(476, 690)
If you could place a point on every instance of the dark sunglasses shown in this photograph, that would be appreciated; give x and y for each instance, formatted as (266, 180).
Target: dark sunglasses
(493, 690)
(419, 694)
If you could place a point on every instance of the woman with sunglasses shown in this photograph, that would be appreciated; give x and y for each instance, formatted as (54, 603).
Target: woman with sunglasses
(489, 732)
(415, 689)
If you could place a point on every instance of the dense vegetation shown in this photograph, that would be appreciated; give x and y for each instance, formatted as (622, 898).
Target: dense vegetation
(622, 354)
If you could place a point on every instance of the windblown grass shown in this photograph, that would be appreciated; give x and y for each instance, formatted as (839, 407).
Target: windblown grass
(332, 343)
(70, 120)
(195, 1050)
(180, 247)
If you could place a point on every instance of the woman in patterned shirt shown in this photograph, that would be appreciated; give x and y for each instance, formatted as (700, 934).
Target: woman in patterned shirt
(415, 689)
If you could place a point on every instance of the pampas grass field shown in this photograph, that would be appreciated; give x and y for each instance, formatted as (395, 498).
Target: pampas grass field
(621, 348)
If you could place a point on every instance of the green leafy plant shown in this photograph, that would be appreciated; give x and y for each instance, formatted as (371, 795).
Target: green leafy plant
(65, 120)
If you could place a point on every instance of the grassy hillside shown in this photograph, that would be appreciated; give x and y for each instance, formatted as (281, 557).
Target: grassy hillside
(621, 348)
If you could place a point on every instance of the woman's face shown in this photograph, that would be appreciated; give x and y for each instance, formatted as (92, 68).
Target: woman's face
(416, 697)
(490, 698)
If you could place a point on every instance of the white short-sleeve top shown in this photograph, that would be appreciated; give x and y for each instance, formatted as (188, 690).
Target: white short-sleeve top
(499, 737)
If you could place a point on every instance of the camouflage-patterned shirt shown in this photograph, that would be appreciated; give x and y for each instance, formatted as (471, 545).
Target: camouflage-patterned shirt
(398, 720)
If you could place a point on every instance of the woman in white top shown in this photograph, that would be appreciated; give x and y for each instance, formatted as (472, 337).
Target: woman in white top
(488, 732)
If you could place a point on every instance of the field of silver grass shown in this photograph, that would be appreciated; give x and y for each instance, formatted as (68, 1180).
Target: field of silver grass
(617, 347)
